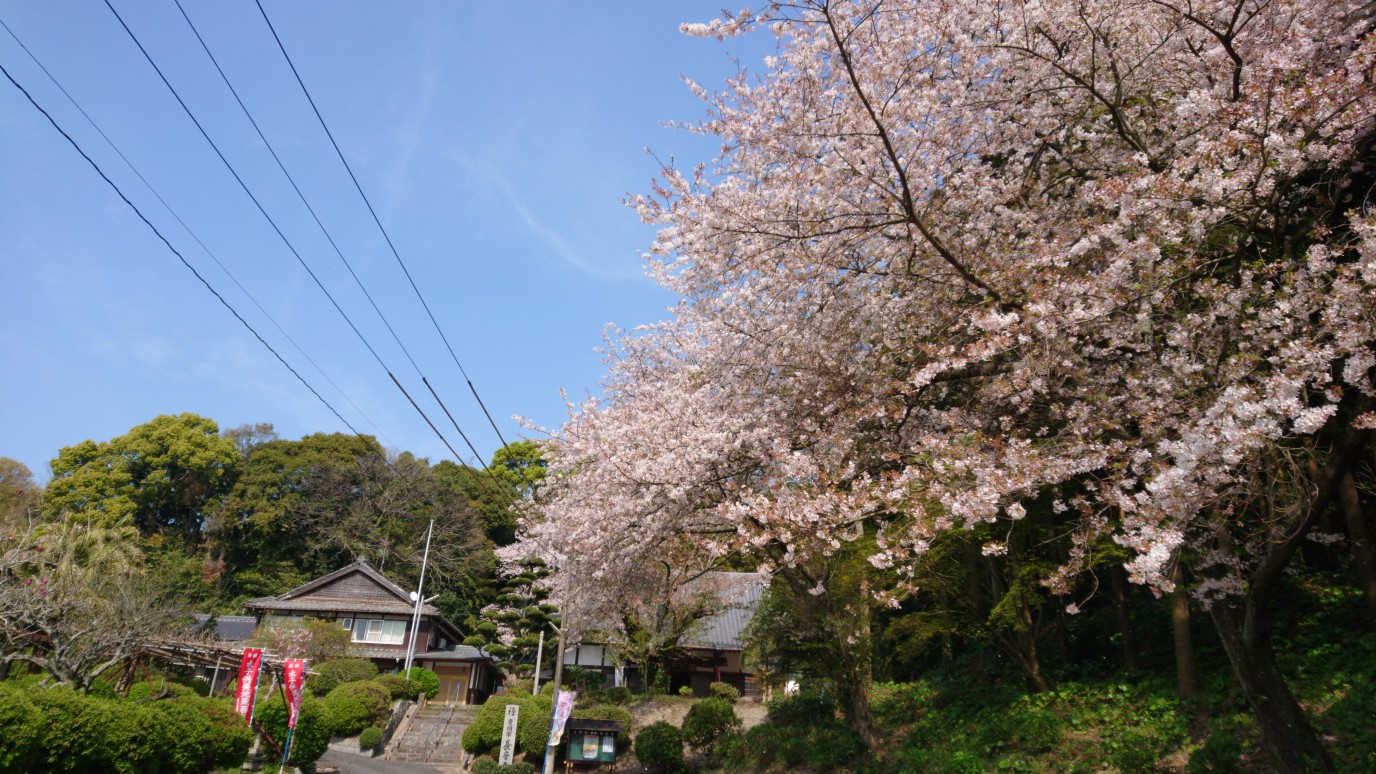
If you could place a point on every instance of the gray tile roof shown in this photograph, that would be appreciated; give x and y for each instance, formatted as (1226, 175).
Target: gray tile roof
(726, 629)
(228, 628)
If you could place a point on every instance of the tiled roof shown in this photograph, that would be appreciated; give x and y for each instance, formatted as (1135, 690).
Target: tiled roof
(726, 629)
(343, 606)
(228, 628)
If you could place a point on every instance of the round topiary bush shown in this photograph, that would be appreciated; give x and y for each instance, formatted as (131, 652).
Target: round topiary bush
(428, 681)
(370, 738)
(332, 674)
(532, 726)
(355, 706)
(399, 687)
(659, 744)
(486, 766)
(725, 691)
(521, 767)
(707, 720)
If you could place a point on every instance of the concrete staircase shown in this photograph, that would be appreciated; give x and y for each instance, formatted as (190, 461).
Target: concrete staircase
(433, 735)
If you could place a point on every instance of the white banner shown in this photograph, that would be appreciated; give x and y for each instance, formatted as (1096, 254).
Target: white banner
(562, 707)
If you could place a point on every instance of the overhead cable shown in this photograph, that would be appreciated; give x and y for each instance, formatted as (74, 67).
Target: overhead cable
(174, 250)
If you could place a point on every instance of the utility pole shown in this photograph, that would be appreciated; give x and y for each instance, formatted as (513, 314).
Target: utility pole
(420, 600)
(539, 654)
(551, 750)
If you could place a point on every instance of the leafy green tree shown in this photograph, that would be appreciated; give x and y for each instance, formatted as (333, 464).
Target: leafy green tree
(516, 472)
(160, 474)
(255, 523)
(19, 493)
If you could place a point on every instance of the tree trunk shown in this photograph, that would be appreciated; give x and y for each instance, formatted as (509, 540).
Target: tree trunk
(1118, 580)
(1285, 731)
(1186, 673)
(1361, 542)
(853, 679)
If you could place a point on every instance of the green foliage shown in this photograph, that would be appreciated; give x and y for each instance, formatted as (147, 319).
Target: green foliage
(617, 695)
(510, 630)
(532, 725)
(708, 720)
(801, 709)
(314, 727)
(60, 730)
(490, 766)
(685, 691)
(428, 681)
(608, 712)
(355, 706)
(822, 746)
(399, 687)
(659, 744)
(332, 674)
(161, 474)
(724, 691)
(370, 738)
(518, 468)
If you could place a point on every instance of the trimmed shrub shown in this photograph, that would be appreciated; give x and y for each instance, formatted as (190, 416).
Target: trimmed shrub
(486, 766)
(58, 729)
(521, 767)
(399, 687)
(370, 738)
(160, 689)
(532, 725)
(608, 712)
(355, 706)
(725, 691)
(659, 744)
(708, 720)
(685, 691)
(618, 695)
(332, 674)
(428, 681)
(314, 727)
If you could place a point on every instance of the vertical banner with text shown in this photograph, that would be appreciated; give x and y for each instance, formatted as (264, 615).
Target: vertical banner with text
(293, 679)
(562, 707)
(248, 682)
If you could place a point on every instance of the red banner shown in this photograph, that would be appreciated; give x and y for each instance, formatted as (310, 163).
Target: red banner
(293, 678)
(248, 682)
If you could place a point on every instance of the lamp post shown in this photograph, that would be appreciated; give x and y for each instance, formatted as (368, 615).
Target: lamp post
(415, 615)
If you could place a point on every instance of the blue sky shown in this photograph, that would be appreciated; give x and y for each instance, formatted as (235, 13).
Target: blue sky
(496, 142)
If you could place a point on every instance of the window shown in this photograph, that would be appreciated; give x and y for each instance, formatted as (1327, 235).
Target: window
(347, 623)
(378, 631)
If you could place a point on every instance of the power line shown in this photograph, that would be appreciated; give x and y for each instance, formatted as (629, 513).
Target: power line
(188, 229)
(174, 250)
(297, 188)
(269, 218)
(380, 227)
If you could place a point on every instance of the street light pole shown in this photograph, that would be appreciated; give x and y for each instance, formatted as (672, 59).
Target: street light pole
(420, 600)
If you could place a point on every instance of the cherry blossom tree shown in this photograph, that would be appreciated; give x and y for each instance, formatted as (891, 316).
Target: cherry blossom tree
(957, 255)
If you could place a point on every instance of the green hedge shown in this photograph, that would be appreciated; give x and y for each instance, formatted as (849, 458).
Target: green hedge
(60, 730)
(314, 728)
(399, 687)
(609, 712)
(332, 674)
(708, 720)
(353, 707)
(370, 738)
(532, 726)
(428, 681)
(659, 744)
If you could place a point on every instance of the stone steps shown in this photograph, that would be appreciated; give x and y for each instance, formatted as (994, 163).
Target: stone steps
(434, 735)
